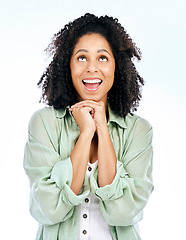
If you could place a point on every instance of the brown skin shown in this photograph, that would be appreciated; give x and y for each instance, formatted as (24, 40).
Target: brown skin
(56, 82)
(92, 58)
(90, 112)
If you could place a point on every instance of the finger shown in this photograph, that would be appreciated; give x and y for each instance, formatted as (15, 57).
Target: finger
(88, 103)
(81, 103)
(82, 108)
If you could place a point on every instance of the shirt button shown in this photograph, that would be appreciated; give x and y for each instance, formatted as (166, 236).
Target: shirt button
(86, 200)
(84, 215)
(90, 169)
(84, 232)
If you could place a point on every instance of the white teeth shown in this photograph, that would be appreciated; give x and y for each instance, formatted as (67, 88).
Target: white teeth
(92, 81)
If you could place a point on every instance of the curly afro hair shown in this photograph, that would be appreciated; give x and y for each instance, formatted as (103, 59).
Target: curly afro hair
(57, 87)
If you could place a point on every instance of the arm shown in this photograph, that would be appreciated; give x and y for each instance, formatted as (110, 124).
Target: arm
(106, 159)
(79, 159)
(123, 200)
(125, 185)
(81, 152)
(52, 200)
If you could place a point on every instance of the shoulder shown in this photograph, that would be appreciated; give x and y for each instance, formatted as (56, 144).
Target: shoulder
(133, 120)
(138, 128)
(45, 126)
(47, 114)
(44, 119)
(40, 120)
(139, 131)
(44, 113)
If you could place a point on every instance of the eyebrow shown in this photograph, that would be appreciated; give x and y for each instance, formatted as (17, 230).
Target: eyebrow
(84, 50)
(103, 50)
(81, 50)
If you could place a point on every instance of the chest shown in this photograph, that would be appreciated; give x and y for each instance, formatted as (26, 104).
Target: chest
(93, 151)
(69, 134)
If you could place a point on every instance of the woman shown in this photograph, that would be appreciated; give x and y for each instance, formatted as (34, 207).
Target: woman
(88, 158)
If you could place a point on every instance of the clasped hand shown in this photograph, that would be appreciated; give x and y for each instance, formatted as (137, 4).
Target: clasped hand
(90, 116)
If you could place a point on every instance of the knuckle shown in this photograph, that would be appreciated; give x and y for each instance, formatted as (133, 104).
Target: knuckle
(81, 110)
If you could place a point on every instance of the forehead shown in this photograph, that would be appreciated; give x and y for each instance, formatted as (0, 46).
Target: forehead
(92, 41)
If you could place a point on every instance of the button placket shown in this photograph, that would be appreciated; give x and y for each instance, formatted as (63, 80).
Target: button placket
(85, 219)
(85, 227)
(84, 213)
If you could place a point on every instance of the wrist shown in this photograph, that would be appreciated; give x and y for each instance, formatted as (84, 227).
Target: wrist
(103, 130)
(86, 135)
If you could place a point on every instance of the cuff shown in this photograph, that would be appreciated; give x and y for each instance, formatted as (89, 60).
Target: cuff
(113, 190)
(62, 175)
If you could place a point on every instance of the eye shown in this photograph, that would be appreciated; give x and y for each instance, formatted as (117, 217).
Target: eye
(103, 59)
(82, 58)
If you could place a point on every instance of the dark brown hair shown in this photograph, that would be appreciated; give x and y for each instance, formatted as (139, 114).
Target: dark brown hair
(57, 87)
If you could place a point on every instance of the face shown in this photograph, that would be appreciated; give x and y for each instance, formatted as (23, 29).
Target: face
(92, 68)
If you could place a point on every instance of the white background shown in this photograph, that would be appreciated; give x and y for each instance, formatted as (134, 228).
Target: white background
(158, 27)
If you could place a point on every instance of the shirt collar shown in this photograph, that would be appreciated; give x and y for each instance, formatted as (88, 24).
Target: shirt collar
(116, 118)
(60, 113)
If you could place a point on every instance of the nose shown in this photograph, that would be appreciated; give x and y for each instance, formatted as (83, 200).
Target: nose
(92, 66)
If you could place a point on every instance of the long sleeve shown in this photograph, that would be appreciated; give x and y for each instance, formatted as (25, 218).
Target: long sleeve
(50, 175)
(123, 200)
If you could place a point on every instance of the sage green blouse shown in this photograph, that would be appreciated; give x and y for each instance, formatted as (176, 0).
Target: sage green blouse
(52, 135)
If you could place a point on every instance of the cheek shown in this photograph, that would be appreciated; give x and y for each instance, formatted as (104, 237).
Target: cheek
(74, 74)
(72, 68)
(76, 70)
(111, 75)
(109, 72)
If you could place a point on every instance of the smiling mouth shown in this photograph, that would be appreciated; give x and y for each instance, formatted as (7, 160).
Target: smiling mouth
(92, 84)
